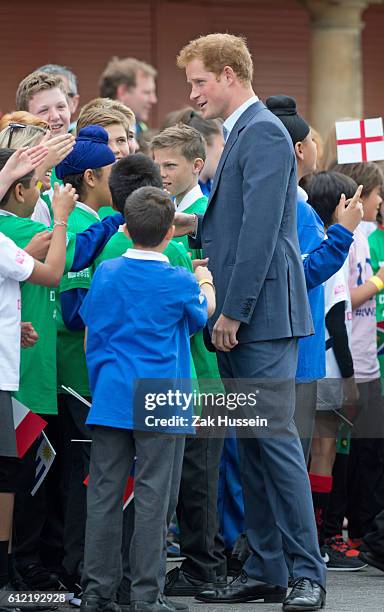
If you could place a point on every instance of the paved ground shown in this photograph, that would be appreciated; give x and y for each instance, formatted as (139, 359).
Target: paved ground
(361, 591)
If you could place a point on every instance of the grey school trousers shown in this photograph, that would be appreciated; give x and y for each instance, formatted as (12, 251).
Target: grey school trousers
(112, 455)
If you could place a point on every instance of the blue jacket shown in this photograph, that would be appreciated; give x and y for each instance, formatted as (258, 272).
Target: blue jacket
(321, 259)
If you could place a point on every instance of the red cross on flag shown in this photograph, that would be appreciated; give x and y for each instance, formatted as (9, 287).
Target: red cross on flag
(361, 140)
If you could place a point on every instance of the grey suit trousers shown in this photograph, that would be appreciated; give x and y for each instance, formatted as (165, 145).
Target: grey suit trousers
(112, 455)
(279, 516)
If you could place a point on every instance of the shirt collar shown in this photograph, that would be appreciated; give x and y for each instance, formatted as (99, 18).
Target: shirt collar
(6, 213)
(301, 194)
(190, 198)
(87, 209)
(229, 123)
(145, 255)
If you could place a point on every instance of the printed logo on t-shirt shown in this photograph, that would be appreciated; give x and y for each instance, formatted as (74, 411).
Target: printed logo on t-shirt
(20, 257)
(82, 274)
(339, 289)
(366, 311)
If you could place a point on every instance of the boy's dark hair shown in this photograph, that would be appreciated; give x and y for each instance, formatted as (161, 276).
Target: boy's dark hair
(131, 173)
(76, 180)
(186, 139)
(149, 213)
(368, 174)
(324, 192)
(25, 180)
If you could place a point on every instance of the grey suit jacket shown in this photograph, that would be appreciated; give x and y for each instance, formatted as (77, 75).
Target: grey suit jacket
(249, 232)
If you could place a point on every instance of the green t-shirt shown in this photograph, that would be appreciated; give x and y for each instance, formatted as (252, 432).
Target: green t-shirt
(47, 195)
(198, 208)
(106, 211)
(37, 388)
(205, 361)
(376, 248)
(71, 364)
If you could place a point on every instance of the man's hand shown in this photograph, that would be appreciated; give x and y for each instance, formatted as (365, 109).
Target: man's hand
(29, 336)
(39, 245)
(199, 262)
(185, 224)
(349, 213)
(224, 334)
(202, 272)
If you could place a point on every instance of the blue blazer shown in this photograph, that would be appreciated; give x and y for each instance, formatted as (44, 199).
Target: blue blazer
(249, 232)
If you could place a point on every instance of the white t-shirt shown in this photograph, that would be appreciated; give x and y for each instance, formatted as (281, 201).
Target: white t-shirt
(15, 266)
(363, 341)
(41, 213)
(336, 290)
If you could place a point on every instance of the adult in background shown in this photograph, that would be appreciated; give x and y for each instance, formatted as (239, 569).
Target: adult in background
(132, 82)
(249, 234)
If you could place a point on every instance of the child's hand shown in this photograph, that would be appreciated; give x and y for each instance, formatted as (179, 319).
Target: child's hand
(349, 213)
(22, 162)
(63, 201)
(29, 336)
(199, 262)
(39, 245)
(202, 273)
(58, 149)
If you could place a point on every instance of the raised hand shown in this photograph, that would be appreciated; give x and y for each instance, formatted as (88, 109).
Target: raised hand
(58, 149)
(349, 213)
(22, 162)
(63, 201)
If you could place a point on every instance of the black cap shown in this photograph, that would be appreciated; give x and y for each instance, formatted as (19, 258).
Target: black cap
(284, 107)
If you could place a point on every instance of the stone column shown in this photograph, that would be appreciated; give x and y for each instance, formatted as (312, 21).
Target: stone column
(335, 79)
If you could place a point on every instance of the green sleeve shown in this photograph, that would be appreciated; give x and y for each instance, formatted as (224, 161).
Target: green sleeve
(178, 255)
(70, 252)
(375, 256)
(21, 230)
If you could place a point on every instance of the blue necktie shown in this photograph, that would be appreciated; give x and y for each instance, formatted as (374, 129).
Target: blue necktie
(225, 133)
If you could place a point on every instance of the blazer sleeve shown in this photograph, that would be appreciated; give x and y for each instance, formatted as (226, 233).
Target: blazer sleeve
(267, 161)
(195, 241)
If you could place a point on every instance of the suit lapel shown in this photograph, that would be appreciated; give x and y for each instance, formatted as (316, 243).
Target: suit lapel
(240, 124)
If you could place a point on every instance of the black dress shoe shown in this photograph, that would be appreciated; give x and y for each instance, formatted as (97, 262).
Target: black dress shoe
(305, 595)
(178, 583)
(94, 604)
(162, 604)
(372, 559)
(243, 589)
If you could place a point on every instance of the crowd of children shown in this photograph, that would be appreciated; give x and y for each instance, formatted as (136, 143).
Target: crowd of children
(96, 292)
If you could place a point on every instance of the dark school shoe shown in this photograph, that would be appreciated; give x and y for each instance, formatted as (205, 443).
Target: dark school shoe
(243, 589)
(306, 595)
(178, 583)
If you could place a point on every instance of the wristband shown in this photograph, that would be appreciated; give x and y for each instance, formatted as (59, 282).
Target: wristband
(63, 223)
(206, 281)
(377, 282)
